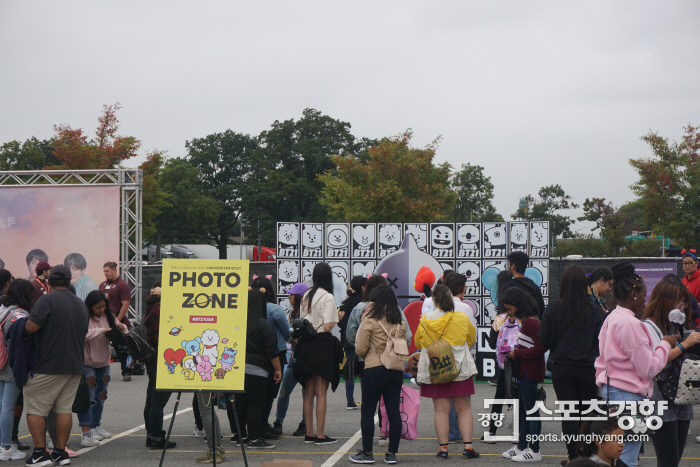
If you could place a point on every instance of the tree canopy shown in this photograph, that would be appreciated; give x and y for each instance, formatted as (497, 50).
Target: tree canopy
(552, 200)
(474, 194)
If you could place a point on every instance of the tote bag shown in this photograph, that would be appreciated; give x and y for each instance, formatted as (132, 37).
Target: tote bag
(408, 409)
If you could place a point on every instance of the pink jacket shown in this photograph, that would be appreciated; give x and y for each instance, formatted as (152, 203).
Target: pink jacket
(97, 350)
(626, 354)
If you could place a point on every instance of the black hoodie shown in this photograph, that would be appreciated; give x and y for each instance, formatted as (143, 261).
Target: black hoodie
(531, 288)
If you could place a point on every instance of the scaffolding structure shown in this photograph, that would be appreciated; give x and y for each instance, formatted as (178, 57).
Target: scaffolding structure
(130, 182)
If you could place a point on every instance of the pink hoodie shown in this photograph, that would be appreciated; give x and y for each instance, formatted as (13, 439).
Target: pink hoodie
(626, 354)
(97, 350)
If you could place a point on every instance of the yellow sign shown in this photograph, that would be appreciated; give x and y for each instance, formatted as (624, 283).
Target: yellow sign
(203, 322)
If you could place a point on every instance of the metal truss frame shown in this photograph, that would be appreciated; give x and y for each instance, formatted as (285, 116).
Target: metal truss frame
(131, 216)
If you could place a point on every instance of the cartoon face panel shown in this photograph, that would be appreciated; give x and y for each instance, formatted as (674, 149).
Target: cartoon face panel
(442, 240)
(468, 240)
(366, 268)
(307, 270)
(489, 313)
(285, 304)
(389, 238)
(541, 277)
(364, 244)
(495, 241)
(337, 240)
(471, 269)
(287, 240)
(488, 276)
(341, 269)
(287, 274)
(420, 234)
(518, 236)
(447, 265)
(539, 239)
(475, 304)
(311, 240)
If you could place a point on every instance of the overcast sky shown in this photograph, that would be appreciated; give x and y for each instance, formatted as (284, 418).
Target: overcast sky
(536, 92)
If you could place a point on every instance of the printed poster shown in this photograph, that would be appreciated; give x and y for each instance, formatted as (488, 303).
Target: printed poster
(203, 322)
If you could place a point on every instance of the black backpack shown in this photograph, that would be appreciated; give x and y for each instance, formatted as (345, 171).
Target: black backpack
(141, 350)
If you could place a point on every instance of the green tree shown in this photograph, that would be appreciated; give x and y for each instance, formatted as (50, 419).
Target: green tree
(648, 247)
(30, 155)
(224, 161)
(398, 184)
(669, 183)
(155, 199)
(474, 194)
(552, 199)
(290, 156)
(609, 220)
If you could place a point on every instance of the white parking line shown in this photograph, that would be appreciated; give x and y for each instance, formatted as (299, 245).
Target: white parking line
(346, 447)
(128, 432)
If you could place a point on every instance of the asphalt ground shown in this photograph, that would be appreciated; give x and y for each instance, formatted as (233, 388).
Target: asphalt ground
(123, 416)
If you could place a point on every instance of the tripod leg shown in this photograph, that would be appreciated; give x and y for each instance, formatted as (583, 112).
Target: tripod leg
(214, 436)
(238, 428)
(170, 430)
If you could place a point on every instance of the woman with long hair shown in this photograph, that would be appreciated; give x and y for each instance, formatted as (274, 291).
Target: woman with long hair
(569, 329)
(318, 358)
(377, 380)
(278, 319)
(354, 297)
(669, 294)
(16, 304)
(296, 293)
(261, 360)
(599, 284)
(96, 366)
(443, 323)
(628, 359)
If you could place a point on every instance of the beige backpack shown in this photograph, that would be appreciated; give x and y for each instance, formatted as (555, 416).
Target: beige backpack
(395, 352)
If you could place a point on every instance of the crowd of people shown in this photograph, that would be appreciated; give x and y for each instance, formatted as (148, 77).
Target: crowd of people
(598, 351)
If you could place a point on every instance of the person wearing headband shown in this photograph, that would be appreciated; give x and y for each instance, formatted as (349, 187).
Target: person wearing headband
(691, 276)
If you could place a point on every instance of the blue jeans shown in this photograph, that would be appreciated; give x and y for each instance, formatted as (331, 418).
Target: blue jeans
(98, 381)
(630, 453)
(455, 434)
(528, 397)
(286, 388)
(8, 396)
(349, 385)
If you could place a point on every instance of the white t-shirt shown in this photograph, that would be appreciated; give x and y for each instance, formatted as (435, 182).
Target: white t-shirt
(323, 309)
(467, 310)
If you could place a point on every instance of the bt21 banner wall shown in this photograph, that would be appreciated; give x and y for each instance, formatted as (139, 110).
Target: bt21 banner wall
(73, 225)
(477, 250)
(203, 325)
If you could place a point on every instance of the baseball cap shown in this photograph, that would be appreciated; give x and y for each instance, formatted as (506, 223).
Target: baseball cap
(60, 272)
(42, 266)
(297, 289)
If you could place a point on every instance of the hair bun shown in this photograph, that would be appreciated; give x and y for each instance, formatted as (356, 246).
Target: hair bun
(622, 269)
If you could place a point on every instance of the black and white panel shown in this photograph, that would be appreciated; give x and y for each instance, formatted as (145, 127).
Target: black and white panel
(287, 239)
(442, 241)
(490, 270)
(389, 238)
(363, 268)
(468, 241)
(471, 269)
(312, 240)
(286, 305)
(518, 236)
(447, 265)
(287, 274)
(539, 239)
(475, 304)
(420, 234)
(364, 241)
(337, 241)
(307, 270)
(489, 312)
(495, 239)
(539, 273)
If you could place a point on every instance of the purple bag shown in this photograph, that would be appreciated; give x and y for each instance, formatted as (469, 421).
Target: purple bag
(507, 340)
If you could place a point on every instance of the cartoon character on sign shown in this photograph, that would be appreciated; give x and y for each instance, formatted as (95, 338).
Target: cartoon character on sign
(192, 347)
(220, 373)
(539, 239)
(210, 339)
(420, 234)
(312, 240)
(495, 237)
(337, 238)
(471, 270)
(173, 358)
(203, 367)
(228, 358)
(468, 239)
(441, 237)
(189, 367)
(389, 238)
(288, 234)
(288, 274)
(402, 267)
(364, 237)
(518, 236)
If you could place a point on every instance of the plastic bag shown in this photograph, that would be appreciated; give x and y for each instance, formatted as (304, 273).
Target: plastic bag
(511, 371)
(409, 409)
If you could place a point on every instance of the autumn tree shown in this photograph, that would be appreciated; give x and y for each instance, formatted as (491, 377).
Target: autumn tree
(74, 151)
(155, 199)
(669, 184)
(552, 200)
(398, 184)
(33, 154)
(474, 194)
(609, 220)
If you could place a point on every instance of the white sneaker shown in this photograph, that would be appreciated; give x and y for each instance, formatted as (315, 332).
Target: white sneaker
(697, 438)
(528, 455)
(89, 441)
(101, 432)
(383, 441)
(512, 452)
(94, 435)
(11, 454)
(200, 433)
